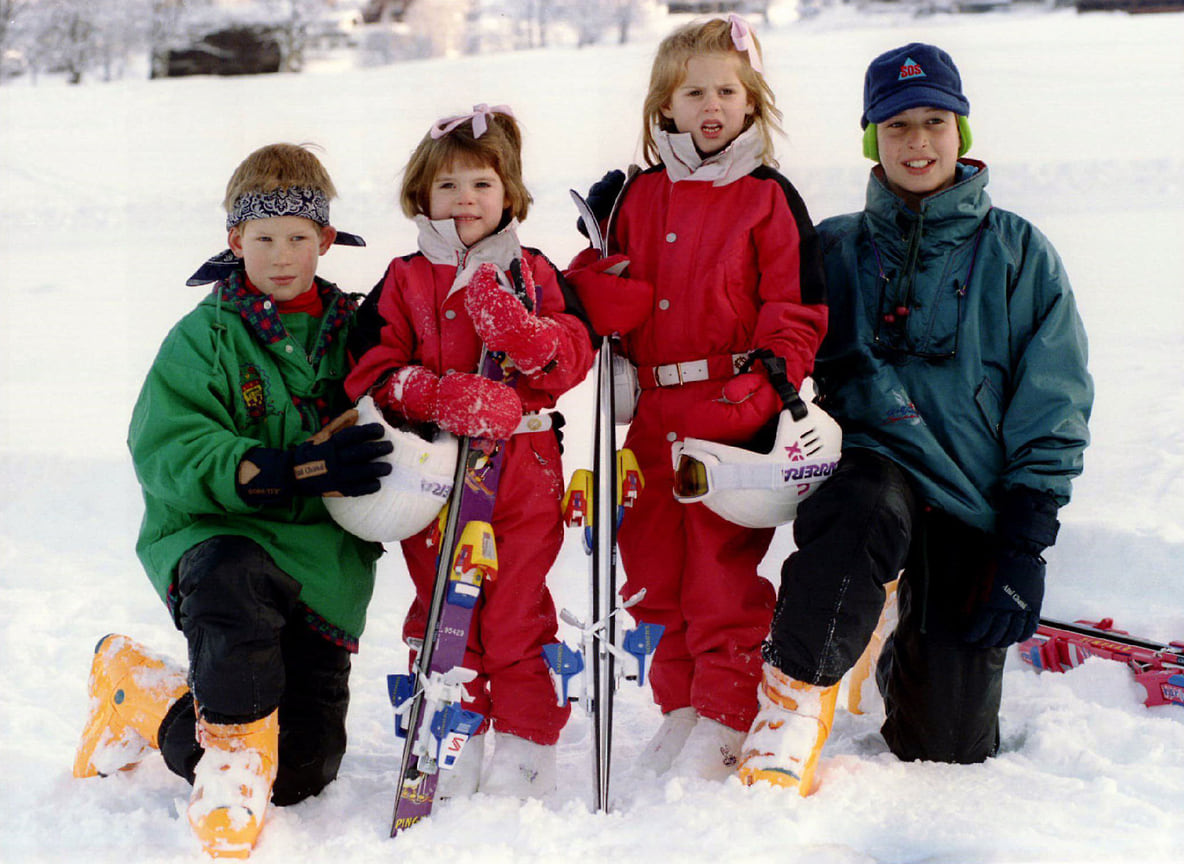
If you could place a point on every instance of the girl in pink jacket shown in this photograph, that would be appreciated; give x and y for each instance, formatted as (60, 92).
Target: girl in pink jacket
(416, 350)
(714, 257)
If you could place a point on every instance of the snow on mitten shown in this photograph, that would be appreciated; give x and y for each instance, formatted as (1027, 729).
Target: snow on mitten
(470, 404)
(412, 392)
(504, 324)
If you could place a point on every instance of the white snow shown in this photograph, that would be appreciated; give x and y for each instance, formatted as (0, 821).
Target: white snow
(110, 199)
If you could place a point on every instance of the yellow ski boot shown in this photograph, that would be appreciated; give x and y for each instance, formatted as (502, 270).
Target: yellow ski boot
(130, 691)
(791, 725)
(862, 670)
(232, 784)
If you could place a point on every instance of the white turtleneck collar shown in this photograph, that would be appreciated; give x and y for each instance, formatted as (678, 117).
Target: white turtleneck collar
(683, 162)
(440, 244)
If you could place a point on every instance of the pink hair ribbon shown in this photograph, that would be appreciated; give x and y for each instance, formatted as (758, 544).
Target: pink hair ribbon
(744, 40)
(480, 117)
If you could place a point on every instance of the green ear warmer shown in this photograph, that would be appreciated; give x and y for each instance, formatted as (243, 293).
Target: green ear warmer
(964, 135)
(871, 148)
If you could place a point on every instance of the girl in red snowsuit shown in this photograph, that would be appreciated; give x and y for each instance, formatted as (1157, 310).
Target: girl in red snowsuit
(720, 259)
(421, 333)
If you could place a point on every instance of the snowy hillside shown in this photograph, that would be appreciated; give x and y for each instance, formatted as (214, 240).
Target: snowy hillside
(110, 199)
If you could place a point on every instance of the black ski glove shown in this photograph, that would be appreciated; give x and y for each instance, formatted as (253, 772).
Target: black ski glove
(1027, 525)
(602, 196)
(341, 463)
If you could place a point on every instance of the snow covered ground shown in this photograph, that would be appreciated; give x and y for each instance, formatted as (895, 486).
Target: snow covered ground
(110, 199)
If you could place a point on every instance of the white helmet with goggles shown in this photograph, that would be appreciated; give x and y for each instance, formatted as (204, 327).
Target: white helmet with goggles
(762, 489)
(410, 497)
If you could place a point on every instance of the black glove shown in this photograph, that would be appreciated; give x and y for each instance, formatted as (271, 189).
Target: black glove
(557, 423)
(602, 196)
(1027, 525)
(341, 464)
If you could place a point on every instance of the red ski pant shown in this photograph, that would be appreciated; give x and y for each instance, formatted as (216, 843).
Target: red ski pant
(515, 616)
(700, 576)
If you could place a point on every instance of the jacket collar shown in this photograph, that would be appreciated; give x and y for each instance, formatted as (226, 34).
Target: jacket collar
(440, 244)
(261, 316)
(955, 212)
(683, 162)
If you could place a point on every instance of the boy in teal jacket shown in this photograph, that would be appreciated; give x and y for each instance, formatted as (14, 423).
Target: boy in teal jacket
(955, 362)
(231, 444)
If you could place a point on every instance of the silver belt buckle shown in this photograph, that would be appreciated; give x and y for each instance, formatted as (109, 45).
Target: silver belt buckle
(668, 375)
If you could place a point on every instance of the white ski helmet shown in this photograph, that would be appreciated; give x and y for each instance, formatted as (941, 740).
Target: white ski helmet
(411, 496)
(761, 490)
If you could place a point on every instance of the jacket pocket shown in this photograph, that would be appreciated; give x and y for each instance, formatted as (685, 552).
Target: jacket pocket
(990, 403)
(940, 336)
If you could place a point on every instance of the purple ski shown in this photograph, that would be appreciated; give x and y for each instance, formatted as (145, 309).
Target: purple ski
(428, 703)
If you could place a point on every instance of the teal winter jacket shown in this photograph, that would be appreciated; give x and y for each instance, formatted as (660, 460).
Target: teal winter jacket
(230, 376)
(955, 347)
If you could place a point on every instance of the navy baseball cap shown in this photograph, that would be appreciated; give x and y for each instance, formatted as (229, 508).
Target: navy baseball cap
(913, 76)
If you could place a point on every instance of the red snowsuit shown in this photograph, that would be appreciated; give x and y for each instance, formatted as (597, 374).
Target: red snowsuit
(718, 267)
(417, 316)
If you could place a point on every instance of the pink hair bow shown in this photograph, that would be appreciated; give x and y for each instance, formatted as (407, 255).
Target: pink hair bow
(743, 39)
(480, 117)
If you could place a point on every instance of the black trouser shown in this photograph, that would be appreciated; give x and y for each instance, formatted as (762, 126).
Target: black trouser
(250, 651)
(857, 532)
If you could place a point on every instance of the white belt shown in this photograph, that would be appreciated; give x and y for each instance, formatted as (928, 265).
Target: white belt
(673, 374)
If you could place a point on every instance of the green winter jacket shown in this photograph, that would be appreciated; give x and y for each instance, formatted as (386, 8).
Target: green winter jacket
(229, 377)
(955, 347)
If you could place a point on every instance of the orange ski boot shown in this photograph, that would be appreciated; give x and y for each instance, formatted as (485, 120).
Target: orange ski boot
(862, 670)
(131, 690)
(232, 784)
(791, 725)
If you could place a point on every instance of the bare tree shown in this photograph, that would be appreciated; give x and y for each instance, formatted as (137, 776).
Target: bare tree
(164, 26)
(294, 19)
(9, 31)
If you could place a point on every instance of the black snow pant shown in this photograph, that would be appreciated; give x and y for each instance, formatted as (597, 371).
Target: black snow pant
(856, 533)
(250, 652)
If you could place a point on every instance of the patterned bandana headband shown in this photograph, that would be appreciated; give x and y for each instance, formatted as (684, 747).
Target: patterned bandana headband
(295, 201)
(480, 117)
(745, 41)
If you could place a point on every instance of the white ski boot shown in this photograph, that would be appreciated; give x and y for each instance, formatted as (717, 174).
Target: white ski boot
(520, 768)
(462, 779)
(711, 751)
(668, 741)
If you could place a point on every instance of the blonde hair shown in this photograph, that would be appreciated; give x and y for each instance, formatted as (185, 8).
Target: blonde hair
(278, 166)
(499, 148)
(670, 69)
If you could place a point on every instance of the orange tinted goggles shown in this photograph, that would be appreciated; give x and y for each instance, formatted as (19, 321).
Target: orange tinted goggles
(690, 478)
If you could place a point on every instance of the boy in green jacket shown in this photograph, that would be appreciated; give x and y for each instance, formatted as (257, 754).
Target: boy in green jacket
(231, 444)
(955, 362)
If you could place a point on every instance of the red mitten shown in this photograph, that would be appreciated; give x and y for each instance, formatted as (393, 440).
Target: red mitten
(504, 324)
(469, 404)
(412, 391)
(614, 303)
(754, 387)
